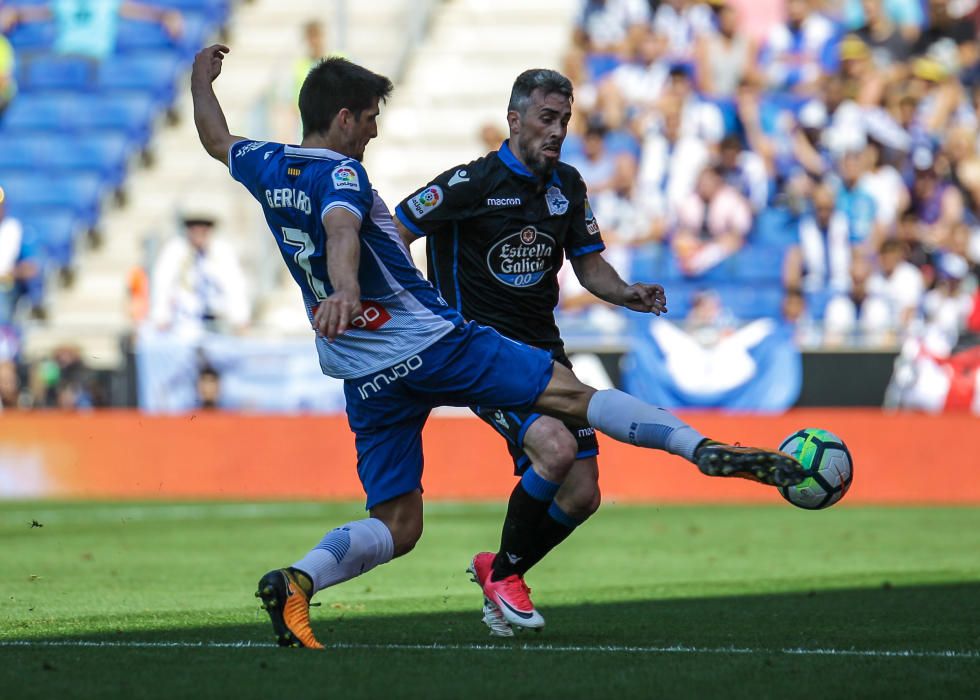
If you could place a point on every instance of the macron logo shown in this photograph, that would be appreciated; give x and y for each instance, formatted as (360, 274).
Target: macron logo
(504, 201)
(458, 177)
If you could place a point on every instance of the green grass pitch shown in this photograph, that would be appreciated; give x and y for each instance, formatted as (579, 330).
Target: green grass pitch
(109, 600)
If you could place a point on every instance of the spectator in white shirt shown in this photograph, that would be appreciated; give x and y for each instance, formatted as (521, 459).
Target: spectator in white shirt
(682, 22)
(197, 282)
(699, 119)
(885, 185)
(745, 171)
(822, 259)
(899, 282)
(669, 167)
(858, 314)
(20, 273)
(640, 82)
(607, 26)
(792, 53)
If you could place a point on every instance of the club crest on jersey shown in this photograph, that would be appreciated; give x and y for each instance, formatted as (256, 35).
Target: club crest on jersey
(345, 178)
(557, 204)
(426, 200)
(523, 258)
(590, 223)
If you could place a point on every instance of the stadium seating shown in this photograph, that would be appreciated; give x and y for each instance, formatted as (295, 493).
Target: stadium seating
(147, 73)
(104, 155)
(66, 140)
(56, 73)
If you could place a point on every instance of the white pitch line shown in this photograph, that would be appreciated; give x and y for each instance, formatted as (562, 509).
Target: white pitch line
(504, 647)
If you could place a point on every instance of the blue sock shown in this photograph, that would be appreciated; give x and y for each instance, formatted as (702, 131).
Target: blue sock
(558, 515)
(537, 487)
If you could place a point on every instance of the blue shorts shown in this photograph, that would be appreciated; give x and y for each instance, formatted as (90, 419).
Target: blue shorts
(471, 365)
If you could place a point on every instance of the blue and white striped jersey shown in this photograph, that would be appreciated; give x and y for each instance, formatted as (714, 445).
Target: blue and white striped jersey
(403, 314)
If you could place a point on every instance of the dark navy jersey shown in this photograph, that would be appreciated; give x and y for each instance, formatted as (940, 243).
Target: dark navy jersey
(402, 313)
(496, 238)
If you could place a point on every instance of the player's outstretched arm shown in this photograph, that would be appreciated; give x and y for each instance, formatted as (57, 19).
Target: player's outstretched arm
(208, 117)
(334, 314)
(599, 277)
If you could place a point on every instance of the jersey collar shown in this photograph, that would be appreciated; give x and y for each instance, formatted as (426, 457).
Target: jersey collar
(518, 168)
(314, 153)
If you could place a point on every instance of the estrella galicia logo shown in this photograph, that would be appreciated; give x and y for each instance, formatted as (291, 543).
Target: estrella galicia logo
(523, 258)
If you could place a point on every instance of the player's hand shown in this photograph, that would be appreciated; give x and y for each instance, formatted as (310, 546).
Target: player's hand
(648, 298)
(334, 314)
(207, 62)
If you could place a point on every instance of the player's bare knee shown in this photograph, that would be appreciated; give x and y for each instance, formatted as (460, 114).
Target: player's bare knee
(406, 530)
(582, 501)
(554, 453)
(406, 537)
(403, 518)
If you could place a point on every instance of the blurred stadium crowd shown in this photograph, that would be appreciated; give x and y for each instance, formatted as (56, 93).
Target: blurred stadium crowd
(826, 172)
(819, 165)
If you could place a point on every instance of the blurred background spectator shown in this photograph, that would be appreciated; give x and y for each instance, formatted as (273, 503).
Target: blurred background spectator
(197, 283)
(712, 223)
(20, 268)
(208, 388)
(88, 28)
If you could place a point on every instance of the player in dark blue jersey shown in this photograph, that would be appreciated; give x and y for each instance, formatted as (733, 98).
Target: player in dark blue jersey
(497, 232)
(364, 299)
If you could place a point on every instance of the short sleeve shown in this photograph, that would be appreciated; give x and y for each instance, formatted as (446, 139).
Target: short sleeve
(451, 196)
(247, 158)
(345, 186)
(584, 236)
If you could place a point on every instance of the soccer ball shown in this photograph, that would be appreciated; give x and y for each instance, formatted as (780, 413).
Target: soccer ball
(828, 466)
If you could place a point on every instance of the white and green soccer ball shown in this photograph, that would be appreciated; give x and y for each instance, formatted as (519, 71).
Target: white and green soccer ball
(828, 466)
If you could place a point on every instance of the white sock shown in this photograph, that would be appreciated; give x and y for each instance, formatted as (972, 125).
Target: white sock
(347, 551)
(628, 419)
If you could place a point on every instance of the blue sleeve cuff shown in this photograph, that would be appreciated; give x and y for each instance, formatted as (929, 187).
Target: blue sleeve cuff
(585, 250)
(407, 222)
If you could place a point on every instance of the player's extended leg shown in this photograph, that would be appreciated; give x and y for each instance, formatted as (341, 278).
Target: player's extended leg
(344, 553)
(628, 419)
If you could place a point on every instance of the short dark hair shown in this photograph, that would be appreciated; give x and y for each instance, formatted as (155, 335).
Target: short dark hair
(333, 84)
(544, 79)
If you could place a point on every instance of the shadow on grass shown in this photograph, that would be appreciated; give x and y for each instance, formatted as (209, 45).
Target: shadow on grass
(920, 618)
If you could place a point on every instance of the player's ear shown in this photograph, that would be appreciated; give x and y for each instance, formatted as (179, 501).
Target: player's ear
(344, 118)
(514, 121)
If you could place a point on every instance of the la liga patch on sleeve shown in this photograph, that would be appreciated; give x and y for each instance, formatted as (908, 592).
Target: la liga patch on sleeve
(345, 178)
(426, 200)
